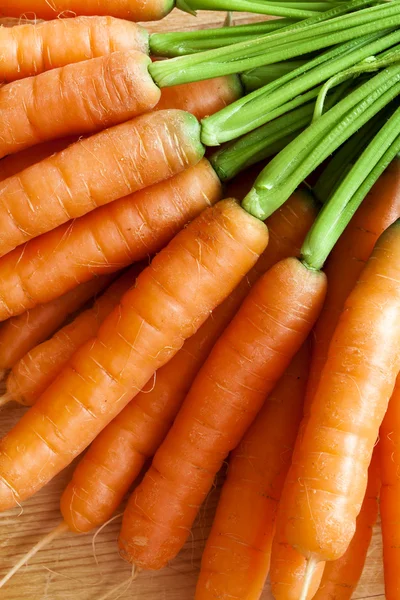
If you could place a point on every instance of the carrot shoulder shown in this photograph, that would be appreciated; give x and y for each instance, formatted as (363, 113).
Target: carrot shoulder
(170, 301)
(33, 48)
(111, 164)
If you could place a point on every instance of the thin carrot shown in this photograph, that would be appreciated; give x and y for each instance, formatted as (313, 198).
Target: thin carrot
(390, 493)
(133, 10)
(20, 334)
(379, 209)
(31, 49)
(110, 164)
(341, 576)
(171, 300)
(106, 239)
(236, 558)
(243, 367)
(79, 98)
(323, 496)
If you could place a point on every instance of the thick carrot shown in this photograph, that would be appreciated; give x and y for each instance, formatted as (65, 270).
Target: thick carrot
(327, 481)
(170, 301)
(38, 367)
(341, 576)
(236, 558)
(31, 49)
(79, 98)
(389, 446)
(244, 365)
(379, 209)
(106, 239)
(96, 171)
(134, 10)
(118, 454)
(14, 163)
(20, 334)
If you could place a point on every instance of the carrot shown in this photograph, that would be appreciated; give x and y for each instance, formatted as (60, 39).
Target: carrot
(32, 373)
(110, 164)
(341, 576)
(170, 301)
(390, 493)
(31, 49)
(14, 163)
(79, 98)
(106, 239)
(322, 498)
(151, 10)
(20, 334)
(348, 258)
(236, 558)
(244, 365)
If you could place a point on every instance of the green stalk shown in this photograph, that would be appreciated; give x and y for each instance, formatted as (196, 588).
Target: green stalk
(250, 111)
(261, 76)
(336, 214)
(276, 9)
(293, 164)
(295, 40)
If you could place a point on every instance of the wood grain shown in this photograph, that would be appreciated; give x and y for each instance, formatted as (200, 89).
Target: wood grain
(81, 568)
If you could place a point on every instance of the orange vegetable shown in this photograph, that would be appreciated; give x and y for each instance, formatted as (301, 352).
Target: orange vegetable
(111, 164)
(389, 447)
(14, 163)
(31, 49)
(170, 301)
(243, 367)
(341, 576)
(106, 239)
(20, 334)
(79, 98)
(236, 558)
(133, 10)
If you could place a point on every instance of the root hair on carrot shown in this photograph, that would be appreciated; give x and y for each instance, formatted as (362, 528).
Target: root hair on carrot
(100, 529)
(124, 586)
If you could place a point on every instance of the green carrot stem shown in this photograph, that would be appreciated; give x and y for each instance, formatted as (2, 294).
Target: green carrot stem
(250, 111)
(344, 158)
(277, 9)
(293, 164)
(336, 214)
(295, 40)
(261, 76)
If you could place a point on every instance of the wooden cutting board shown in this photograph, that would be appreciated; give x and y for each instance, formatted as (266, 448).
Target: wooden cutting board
(86, 567)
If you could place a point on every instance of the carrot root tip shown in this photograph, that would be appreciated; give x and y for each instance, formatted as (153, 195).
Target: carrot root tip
(124, 586)
(308, 575)
(5, 399)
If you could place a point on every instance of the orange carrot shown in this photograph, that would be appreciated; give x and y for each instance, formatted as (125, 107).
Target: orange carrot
(31, 49)
(110, 164)
(79, 98)
(379, 209)
(14, 163)
(170, 301)
(202, 98)
(341, 576)
(390, 493)
(42, 363)
(105, 240)
(20, 334)
(133, 10)
(327, 481)
(236, 558)
(119, 452)
(244, 365)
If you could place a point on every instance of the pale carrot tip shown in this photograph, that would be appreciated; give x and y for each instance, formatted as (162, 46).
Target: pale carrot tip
(5, 399)
(308, 575)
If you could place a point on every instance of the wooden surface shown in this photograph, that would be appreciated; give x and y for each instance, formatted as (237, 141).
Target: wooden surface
(83, 568)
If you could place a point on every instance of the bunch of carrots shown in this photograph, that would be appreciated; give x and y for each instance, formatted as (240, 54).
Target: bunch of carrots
(169, 312)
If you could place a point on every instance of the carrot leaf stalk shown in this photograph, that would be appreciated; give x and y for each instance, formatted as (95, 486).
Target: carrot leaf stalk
(261, 76)
(296, 10)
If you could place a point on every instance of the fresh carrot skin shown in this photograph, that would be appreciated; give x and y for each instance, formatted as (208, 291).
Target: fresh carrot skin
(132, 10)
(341, 576)
(49, 193)
(236, 558)
(389, 446)
(142, 333)
(106, 240)
(80, 98)
(37, 368)
(324, 497)
(378, 210)
(32, 49)
(266, 332)
(119, 453)
(20, 334)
